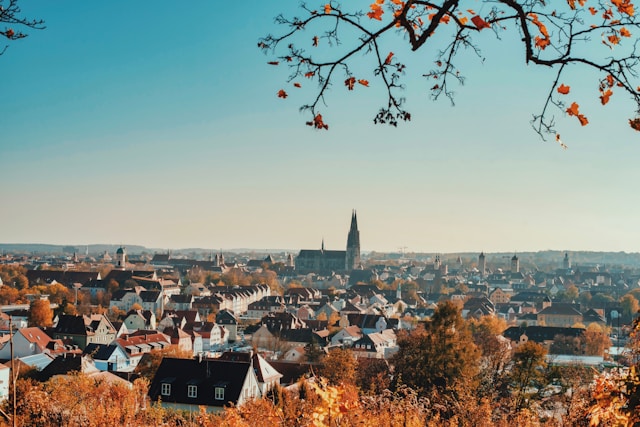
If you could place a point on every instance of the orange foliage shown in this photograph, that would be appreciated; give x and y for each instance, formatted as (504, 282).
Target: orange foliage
(318, 123)
(604, 98)
(540, 42)
(635, 124)
(282, 94)
(593, 10)
(624, 6)
(563, 89)
(296, 84)
(350, 82)
(573, 110)
(613, 39)
(273, 62)
(479, 22)
(376, 10)
(387, 61)
(610, 80)
(327, 9)
(624, 32)
(364, 82)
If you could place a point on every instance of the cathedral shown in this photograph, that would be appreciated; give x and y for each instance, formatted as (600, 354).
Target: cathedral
(324, 261)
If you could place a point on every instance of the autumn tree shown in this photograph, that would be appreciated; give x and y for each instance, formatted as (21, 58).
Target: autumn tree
(495, 352)
(40, 313)
(597, 340)
(339, 44)
(339, 367)
(527, 371)
(630, 307)
(438, 358)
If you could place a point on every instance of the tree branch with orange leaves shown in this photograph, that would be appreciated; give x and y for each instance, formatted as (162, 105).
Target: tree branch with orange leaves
(571, 36)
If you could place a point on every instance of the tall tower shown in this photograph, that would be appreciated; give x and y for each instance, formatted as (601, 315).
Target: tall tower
(121, 258)
(566, 263)
(353, 244)
(482, 263)
(515, 264)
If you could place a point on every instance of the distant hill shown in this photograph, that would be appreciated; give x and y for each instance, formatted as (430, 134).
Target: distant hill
(42, 248)
(529, 260)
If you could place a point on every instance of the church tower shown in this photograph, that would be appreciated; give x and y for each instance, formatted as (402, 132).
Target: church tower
(515, 264)
(353, 244)
(121, 258)
(566, 263)
(482, 263)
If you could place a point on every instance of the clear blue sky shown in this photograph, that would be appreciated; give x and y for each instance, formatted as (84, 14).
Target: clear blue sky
(157, 123)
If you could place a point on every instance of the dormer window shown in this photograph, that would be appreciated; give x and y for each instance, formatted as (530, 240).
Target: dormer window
(192, 391)
(219, 393)
(165, 389)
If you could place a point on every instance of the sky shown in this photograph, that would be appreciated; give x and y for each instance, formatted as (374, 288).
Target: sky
(158, 124)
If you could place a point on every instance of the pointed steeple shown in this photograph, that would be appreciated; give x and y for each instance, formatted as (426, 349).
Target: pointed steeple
(322, 246)
(353, 244)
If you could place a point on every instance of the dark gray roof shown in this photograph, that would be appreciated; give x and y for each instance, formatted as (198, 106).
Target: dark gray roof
(206, 374)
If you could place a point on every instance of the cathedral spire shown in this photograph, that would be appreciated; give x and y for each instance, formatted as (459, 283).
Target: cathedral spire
(353, 244)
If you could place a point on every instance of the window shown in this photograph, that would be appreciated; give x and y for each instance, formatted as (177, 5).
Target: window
(165, 389)
(192, 391)
(219, 393)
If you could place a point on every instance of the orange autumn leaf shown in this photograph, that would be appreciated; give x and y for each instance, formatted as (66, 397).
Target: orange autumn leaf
(9, 33)
(610, 80)
(593, 10)
(635, 124)
(613, 39)
(624, 6)
(573, 109)
(624, 32)
(542, 42)
(479, 22)
(318, 123)
(572, 4)
(315, 40)
(445, 19)
(563, 89)
(464, 20)
(471, 11)
(327, 9)
(583, 120)
(387, 61)
(364, 82)
(376, 11)
(309, 74)
(604, 98)
(350, 82)
(282, 94)
(296, 84)
(273, 62)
